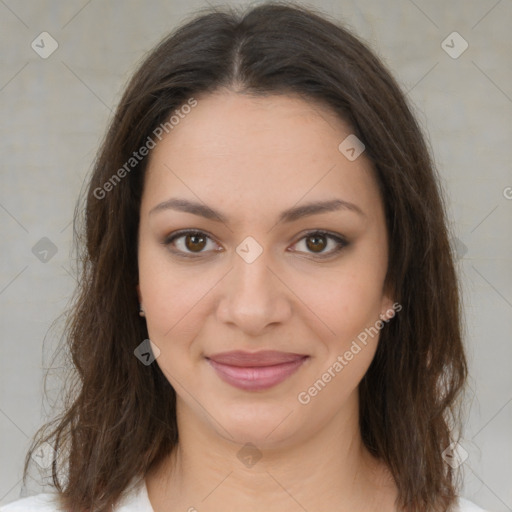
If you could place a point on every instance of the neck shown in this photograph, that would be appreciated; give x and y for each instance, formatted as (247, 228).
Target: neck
(331, 470)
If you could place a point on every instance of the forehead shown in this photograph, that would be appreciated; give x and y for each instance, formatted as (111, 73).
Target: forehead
(270, 150)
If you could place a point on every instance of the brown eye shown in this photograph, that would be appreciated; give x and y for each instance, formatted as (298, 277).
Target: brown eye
(316, 243)
(195, 242)
(191, 243)
(320, 244)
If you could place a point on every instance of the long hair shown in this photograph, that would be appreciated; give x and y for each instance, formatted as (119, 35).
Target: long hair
(114, 427)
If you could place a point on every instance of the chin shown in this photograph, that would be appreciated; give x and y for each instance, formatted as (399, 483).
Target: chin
(266, 423)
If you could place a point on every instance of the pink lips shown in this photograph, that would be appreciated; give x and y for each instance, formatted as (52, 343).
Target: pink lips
(255, 371)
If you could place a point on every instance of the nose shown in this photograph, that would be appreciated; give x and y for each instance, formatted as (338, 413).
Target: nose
(252, 298)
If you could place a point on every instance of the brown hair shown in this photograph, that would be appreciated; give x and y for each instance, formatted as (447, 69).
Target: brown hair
(114, 427)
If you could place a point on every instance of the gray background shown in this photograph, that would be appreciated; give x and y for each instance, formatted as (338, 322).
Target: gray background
(54, 112)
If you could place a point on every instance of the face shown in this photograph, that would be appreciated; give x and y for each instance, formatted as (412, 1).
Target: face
(262, 258)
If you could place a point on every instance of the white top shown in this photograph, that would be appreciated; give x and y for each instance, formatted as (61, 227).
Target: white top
(135, 499)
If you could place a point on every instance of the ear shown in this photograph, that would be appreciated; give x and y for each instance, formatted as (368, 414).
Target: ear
(389, 307)
(385, 306)
(138, 293)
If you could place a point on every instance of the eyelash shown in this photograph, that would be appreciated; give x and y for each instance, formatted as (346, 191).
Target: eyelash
(340, 241)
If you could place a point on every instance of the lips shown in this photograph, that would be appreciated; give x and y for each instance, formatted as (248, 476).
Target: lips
(254, 371)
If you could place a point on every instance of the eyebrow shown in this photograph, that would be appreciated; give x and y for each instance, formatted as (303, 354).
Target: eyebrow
(289, 215)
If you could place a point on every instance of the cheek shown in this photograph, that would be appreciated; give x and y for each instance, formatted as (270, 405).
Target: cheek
(173, 300)
(176, 306)
(347, 300)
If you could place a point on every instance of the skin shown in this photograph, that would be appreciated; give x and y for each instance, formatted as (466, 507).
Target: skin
(250, 159)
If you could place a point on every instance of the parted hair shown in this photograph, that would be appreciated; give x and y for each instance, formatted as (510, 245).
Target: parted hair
(114, 426)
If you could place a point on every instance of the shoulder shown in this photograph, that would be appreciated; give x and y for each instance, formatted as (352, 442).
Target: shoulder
(134, 499)
(39, 503)
(464, 505)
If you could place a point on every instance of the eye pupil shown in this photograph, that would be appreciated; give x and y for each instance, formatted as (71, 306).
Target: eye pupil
(316, 243)
(195, 243)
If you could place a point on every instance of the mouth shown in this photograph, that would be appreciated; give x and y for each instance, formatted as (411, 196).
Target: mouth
(255, 371)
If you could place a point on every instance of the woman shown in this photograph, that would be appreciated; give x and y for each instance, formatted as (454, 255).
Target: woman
(265, 211)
